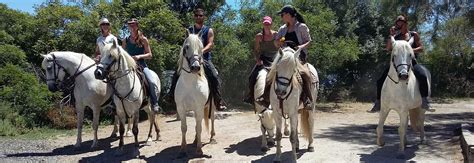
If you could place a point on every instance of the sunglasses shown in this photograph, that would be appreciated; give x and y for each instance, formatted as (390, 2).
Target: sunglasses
(106, 24)
(197, 15)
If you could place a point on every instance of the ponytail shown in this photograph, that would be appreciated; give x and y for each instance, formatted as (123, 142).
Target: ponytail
(299, 17)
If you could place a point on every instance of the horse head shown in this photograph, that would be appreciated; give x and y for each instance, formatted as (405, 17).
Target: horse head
(285, 67)
(55, 72)
(401, 59)
(113, 60)
(191, 53)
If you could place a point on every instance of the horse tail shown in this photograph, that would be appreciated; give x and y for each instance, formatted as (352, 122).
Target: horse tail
(305, 123)
(414, 118)
(207, 111)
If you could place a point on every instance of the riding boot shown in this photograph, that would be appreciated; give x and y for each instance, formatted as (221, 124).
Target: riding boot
(249, 97)
(264, 100)
(219, 102)
(426, 105)
(307, 82)
(375, 108)
(170, 96)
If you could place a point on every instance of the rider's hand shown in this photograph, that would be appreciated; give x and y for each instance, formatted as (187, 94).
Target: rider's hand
(259, 62)
(97, 58)
(136, 58)
(392, 31)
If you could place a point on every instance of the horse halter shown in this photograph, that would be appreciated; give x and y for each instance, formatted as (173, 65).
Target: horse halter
(68, 82)
(108, 73)
(191, 59)
(396, 69)
(55, 72)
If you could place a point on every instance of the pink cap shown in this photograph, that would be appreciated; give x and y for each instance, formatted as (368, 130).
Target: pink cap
(267, 20)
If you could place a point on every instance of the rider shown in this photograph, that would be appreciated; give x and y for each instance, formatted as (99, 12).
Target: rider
(264, 51)
(400, 32)
(138, 47)
(296, 31)
(207, 37)
(105, 38)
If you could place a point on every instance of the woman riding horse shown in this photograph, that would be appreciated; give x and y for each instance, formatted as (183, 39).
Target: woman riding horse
(296, 31)
(265, 52)
(400, 32)
(138, 47)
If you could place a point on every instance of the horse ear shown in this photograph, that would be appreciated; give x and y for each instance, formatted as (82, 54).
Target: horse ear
(43, 55)
(297, 52)
(411, 41)
(187, 33)
(114, 44)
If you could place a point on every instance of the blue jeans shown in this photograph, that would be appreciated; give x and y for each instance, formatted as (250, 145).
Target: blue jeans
(153, 85)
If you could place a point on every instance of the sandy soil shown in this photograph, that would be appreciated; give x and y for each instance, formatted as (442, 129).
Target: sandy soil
(344, 132)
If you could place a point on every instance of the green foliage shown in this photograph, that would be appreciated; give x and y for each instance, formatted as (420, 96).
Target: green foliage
(22, 92)
(10, 54)
(451, 60)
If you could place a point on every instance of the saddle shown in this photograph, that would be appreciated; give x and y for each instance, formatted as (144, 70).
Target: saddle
(143, 81)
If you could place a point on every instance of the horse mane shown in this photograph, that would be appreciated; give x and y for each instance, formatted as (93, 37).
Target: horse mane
(61, 54)
(284, 58)
(120, 51)
(194, 42)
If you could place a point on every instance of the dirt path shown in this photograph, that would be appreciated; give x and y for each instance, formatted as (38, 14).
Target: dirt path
(342, 134)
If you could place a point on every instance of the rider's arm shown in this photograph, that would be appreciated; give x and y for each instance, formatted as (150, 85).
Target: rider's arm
(210, 41)
(256, 50)
(147, 54)
(306, 37)
(388, 46)
(419, 45)
(97, 52)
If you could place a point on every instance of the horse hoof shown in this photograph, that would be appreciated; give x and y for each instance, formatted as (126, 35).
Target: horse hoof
(94, 145)
(213, 141)
(182, 155)
(380, 143)
(310, 149)
(286, 133)
(264, 149)
(271, 143)
(128, 134)
(199, 153)
(150, 139)
(77, 146)
(297, 149)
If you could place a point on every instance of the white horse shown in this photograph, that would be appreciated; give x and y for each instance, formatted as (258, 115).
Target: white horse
(192, 92)
(265, 115)
(88, 92)
(400, 92)
(285, 99)
(120, 70)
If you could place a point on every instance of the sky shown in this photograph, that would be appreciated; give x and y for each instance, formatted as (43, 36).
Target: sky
(28, 5)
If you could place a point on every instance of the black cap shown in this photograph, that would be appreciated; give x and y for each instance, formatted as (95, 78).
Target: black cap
(287, 9)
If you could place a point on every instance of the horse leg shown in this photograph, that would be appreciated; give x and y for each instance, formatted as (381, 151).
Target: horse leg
(80, 120)
(264, 146)
(135, 118)
(129, 127)
(278, 120)
(95, 124)
(402, 131)
(182, 117)
(199, 118)
(151, 119)
(294, 136)
(286, 131)
(116, 121)
(311, 129)
(213, 131)
(421, 125)
(157, 128)
(382, 117)
(122, 120)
